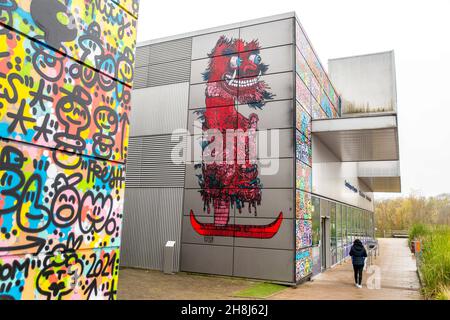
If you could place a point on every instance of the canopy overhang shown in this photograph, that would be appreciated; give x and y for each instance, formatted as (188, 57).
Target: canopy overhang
(368, 138)
(381, 176)
(371, 141)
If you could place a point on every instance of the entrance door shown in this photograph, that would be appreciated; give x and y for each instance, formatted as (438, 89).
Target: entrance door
(325, 229)
(323, 242)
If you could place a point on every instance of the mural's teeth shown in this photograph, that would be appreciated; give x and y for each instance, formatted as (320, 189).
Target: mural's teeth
(233, 77)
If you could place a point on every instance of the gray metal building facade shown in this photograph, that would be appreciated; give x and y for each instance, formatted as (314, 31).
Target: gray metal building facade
(314, 188)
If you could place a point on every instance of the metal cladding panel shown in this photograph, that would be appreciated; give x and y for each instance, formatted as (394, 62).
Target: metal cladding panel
(367, 83)
(150, 164)
(274, 201)
(197, 97)
(270, 137)
(282, 240)
(270, 34)
(159, 110)
(281, 84)
(274, 115)
(198, 67)
(195, 121)
(171, 51)
(153, 217)
(157, 168)
(169, 73)
(282, 143)
(270, 57)
(276, 265)
(202, 45)
(189, 236)
(142, 56)
(193, 201)
(133, 165)
(281, 178)
(140, 78)
(207, 259)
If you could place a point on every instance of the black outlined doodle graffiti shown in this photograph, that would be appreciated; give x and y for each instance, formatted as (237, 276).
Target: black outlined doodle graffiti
(11, 178)
(66, 202)
(107, 123)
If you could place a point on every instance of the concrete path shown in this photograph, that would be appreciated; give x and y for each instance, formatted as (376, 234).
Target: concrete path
(395, 269)
(395, 264)
(135, 284)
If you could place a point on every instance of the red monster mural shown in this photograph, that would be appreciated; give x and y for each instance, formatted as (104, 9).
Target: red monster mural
(233, 78)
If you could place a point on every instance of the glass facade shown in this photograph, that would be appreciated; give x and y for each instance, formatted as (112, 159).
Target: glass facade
(347, 223)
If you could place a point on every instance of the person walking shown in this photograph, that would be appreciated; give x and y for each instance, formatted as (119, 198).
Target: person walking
(359, 255)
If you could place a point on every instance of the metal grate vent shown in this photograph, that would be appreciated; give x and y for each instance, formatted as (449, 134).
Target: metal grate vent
(150, 165)
(169, 73)
(171, 51)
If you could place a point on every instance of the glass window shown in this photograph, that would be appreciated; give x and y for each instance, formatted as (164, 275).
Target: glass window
(339, 225)
(333, 233)
(333, 223)
(349, 224)
(344, 225)
(315, 221)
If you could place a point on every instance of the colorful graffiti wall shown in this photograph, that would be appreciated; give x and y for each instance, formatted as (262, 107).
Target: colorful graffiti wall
(66, 73)
(316, 99)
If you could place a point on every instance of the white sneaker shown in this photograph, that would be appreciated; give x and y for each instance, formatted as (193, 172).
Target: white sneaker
(359, 286)
(356, 285)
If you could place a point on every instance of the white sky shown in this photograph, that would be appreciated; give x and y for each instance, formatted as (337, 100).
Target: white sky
(418, 31)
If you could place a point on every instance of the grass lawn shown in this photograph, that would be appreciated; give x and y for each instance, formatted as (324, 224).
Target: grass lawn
(260, 291)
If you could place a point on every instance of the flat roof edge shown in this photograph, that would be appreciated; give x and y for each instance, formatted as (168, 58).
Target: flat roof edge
(363, 55)
(219, 28)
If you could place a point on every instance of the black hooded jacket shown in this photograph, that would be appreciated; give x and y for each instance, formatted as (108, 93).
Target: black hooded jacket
(358, 253)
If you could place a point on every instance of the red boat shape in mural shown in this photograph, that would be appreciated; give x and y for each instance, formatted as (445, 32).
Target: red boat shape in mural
(236, 230)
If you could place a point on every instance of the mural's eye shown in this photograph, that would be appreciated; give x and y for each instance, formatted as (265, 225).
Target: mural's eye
(255, 58)
(235, 62)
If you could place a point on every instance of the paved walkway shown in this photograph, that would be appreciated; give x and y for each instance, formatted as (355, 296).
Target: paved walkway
(397, 274)
(135, 284)
(397, 269)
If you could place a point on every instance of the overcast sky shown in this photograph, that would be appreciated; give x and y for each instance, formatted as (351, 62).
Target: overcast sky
(418, 31)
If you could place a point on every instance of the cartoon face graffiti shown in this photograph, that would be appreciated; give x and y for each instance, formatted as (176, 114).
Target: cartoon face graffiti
(47, 63)
(73, 111)
(107, 67)
(11, 179)
(107, 122)
(235, 71)
(6, 7)
(125, 66)
(59, 276)
(66, 202)
(91, 44)
(96, 212)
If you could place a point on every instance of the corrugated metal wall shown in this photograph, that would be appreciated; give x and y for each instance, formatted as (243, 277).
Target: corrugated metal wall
(155, 185)
(152, 217)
